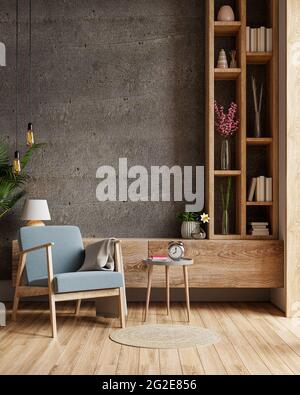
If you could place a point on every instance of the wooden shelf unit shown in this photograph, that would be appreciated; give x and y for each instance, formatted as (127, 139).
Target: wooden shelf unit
(244, 139)
(259, 57)
(227, 74)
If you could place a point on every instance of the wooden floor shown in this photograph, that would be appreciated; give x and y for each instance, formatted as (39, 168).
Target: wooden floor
(255, 339)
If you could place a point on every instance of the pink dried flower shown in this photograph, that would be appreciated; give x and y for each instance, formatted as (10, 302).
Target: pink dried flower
(226, 124)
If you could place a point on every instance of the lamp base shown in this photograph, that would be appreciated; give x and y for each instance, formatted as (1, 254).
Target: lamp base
(35, 223)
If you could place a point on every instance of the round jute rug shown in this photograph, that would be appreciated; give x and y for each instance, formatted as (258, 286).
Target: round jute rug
(164, 336)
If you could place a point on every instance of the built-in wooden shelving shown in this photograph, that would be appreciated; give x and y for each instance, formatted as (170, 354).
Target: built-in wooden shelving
(227, 173)
(226, 28)
(244, 144)
(259, 141)
(227, 74)
(259, 204)
(259, 57)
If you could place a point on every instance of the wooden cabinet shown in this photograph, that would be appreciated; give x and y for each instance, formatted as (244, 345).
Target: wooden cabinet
(217, 263)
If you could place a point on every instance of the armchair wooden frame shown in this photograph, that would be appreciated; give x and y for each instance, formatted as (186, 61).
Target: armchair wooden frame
(25, 291)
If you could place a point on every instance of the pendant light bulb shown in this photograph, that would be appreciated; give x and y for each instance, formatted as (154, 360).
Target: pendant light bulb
(16, 163)
(30, 136)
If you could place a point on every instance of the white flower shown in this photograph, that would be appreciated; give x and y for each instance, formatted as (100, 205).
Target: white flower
(205, 218)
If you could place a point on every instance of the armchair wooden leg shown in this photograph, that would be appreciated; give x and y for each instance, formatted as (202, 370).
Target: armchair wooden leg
(122, 308)
(53, 315)
(78, 305)
(15, 306)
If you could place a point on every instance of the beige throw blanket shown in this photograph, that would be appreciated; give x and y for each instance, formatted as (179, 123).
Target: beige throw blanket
(99, 256)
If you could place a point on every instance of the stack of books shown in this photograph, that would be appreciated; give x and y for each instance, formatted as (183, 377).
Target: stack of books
(260, 229)
(261, 189)
(259, 40)
(160, 259)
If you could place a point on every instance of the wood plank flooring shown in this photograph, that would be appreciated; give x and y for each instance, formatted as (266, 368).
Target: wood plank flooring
(255, 339)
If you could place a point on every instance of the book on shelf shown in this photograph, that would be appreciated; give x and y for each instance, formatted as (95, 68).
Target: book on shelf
(253, 40)
(269, 40)
(260, 229)
(252, 189)
(269, 189)
(261, 188)
(259, 39)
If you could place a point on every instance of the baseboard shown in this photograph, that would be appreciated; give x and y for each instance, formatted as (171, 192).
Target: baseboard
(177, 295)
(202, 295)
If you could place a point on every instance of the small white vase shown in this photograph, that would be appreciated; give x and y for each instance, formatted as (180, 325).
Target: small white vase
(188, 228)
(226, 14)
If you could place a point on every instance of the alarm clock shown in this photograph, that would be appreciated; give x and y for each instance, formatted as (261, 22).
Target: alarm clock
(176, 250)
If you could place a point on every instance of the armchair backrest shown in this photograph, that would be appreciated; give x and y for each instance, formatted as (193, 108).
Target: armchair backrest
(67, 252)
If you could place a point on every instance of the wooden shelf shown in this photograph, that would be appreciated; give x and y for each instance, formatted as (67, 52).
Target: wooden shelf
(259, 204)
(227, 173)
(251, 155)
(259, 141)
(227, 74)
(227, 28)
(259, 57)
(226, 237)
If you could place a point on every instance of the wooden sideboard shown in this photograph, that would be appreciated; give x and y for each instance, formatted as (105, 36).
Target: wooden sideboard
(217, 263)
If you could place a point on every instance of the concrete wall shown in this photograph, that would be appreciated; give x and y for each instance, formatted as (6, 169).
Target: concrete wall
(111, 79)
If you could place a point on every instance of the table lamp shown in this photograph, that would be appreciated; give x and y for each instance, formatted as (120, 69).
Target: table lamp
(35, 212)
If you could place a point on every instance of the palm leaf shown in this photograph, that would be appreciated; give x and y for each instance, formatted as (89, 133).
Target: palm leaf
(7, 204)
(4, 158)
(29, 154)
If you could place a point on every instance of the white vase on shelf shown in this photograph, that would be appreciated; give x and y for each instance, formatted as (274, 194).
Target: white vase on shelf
(222, 61)
(188, 228)
(226, 14)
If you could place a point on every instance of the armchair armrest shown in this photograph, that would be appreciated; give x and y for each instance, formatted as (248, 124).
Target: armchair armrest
(119, 257)
(40, 247)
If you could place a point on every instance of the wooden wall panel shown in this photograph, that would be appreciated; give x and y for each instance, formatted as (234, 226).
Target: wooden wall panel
(293, 159)
(217, 263)
(229, 264)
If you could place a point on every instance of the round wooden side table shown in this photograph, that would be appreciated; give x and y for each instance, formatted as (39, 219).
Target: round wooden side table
(184, 263)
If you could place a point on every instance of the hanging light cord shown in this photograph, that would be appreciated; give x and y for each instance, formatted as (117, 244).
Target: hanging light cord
(30, 61)
(17, 70)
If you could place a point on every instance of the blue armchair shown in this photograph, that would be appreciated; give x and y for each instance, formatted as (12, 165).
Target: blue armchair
(49, 259)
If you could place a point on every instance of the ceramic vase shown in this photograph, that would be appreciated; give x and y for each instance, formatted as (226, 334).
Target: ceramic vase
(226, 14)
(188, 228)
(222, 61)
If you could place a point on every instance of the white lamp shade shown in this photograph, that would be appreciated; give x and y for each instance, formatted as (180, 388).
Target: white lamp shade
(36, 210)
(2, 54)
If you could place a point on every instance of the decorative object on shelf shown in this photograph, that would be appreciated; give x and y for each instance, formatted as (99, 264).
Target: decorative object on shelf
(260, 229)
(233, 61)
(226, 197)
(2, 55)
(222, 61)
(257, 107)
(226, 14)
(200, 234)
(191, 225)
(36, 211)
(176, 250)
(226, 125)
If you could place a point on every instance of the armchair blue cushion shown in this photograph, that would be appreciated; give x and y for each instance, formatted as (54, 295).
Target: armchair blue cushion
(82, 281)
(67, 252)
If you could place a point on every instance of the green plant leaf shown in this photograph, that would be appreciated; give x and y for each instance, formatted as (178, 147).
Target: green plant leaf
(4, 158)
(28, 155)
